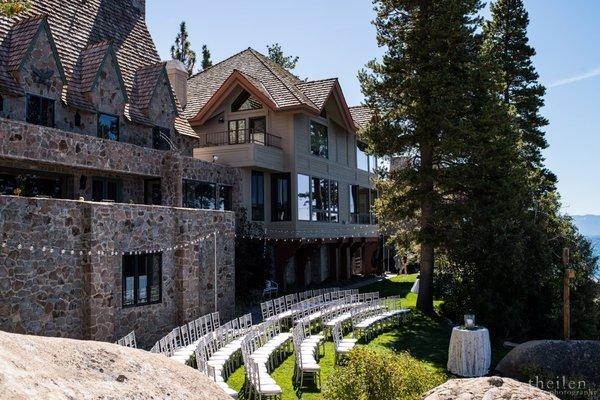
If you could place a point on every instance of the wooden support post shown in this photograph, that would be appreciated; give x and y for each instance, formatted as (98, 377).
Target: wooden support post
(569, 274)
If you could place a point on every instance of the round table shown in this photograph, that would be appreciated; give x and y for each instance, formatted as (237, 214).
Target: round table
(470, 352)
(415, 287)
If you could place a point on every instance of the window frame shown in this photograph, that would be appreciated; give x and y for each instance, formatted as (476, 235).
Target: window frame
(137, 258)
(239, 133)
(99, 114)
(261, 195)
(329, 209)
(275, 178)
(318, 152)
(28, 97)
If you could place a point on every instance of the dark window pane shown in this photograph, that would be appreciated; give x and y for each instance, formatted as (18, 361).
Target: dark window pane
(128, 280)
(142, 279)
(108, 127)
(225, 198)
(154, 277)
(107, 189)
(237, 131)
(245, 102)
(35, 183)
(258, 196)
(40, 111)
(280, 198)
(199, 195)
(161, 138)
(319, 141)
(153, 192)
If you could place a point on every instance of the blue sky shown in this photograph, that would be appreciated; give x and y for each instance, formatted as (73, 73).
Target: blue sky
(334, 38)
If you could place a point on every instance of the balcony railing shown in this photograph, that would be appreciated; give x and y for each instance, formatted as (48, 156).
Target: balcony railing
(239, 137)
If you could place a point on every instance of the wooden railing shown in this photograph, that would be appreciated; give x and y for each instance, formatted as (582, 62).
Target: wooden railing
(241, 136)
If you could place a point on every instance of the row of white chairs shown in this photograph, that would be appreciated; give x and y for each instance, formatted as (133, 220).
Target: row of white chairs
(128, 340)
(342, 345)
(263, 349)
(343, 314)
(282, 306)
(369, 320)
(218, 353)
(307, 353)
(186, 335)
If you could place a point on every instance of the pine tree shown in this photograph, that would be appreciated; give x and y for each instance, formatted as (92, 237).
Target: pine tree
(507, 43)
(10, 8)
(206, 61)
(277, 56)
(182, 49)
(420, 92)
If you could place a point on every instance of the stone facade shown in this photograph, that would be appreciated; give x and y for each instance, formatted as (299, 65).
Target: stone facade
(80, 295)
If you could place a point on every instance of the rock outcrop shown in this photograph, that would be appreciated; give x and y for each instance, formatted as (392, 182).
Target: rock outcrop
(575, 359)
(491, 388)
(33, 367)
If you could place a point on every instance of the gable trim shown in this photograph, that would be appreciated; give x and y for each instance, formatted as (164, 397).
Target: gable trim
(235, 79)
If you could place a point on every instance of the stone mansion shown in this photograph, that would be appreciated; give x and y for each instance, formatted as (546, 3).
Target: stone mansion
(120, 178)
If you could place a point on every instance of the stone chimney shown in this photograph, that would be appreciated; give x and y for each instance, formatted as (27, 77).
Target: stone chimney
(178, 77)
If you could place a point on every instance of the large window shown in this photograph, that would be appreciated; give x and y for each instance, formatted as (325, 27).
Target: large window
(40, 110)
(362, 159)
(207, 195)
(200, 195)
(318, 199)
(161, 138)
(105, 189)
(319, 140)
(142, 279)
(237, 131)
(108, 127)
(303, 198)
(35, 183)
(258, 196)
(361, 202)
(281, 207)
(245, 102)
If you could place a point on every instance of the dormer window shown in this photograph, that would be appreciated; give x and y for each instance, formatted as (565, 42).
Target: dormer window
(245, 102)
(108, 127)
(40, 110)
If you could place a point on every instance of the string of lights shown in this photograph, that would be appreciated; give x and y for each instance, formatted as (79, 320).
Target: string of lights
(75, 251)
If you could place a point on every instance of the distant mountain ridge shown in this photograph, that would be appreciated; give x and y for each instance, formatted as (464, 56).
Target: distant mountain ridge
(588, 225)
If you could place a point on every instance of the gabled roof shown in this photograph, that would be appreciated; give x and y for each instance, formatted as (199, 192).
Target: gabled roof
(76, 25)
(145, 83)
(362, 115)
(86, 74)
(21, 39)
(280, 84)
(318, 91)
(276, 86)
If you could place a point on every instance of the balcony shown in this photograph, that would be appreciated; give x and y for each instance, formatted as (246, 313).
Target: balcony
(242, 148)
(244, 136)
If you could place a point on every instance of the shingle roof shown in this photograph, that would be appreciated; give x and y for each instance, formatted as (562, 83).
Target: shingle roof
(89, 64)
(361, 115)
(278, 83)
(75, 26)
(20, 39)
(318, 91)
(144, 84)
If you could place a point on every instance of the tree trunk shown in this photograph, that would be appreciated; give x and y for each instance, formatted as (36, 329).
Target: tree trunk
(425, 298)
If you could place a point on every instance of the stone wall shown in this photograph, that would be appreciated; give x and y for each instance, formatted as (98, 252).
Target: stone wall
(61, 151)
(79, 295)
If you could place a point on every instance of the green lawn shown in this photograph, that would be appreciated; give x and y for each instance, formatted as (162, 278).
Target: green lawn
(424, 338)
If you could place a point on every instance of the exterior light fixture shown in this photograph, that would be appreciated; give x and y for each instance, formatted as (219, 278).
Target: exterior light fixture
(215, 159)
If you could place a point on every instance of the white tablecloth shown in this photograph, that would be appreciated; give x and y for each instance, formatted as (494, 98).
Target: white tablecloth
(415, 287)
(470, 352)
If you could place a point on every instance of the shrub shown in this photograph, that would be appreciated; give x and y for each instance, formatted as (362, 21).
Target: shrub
(373, 373)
